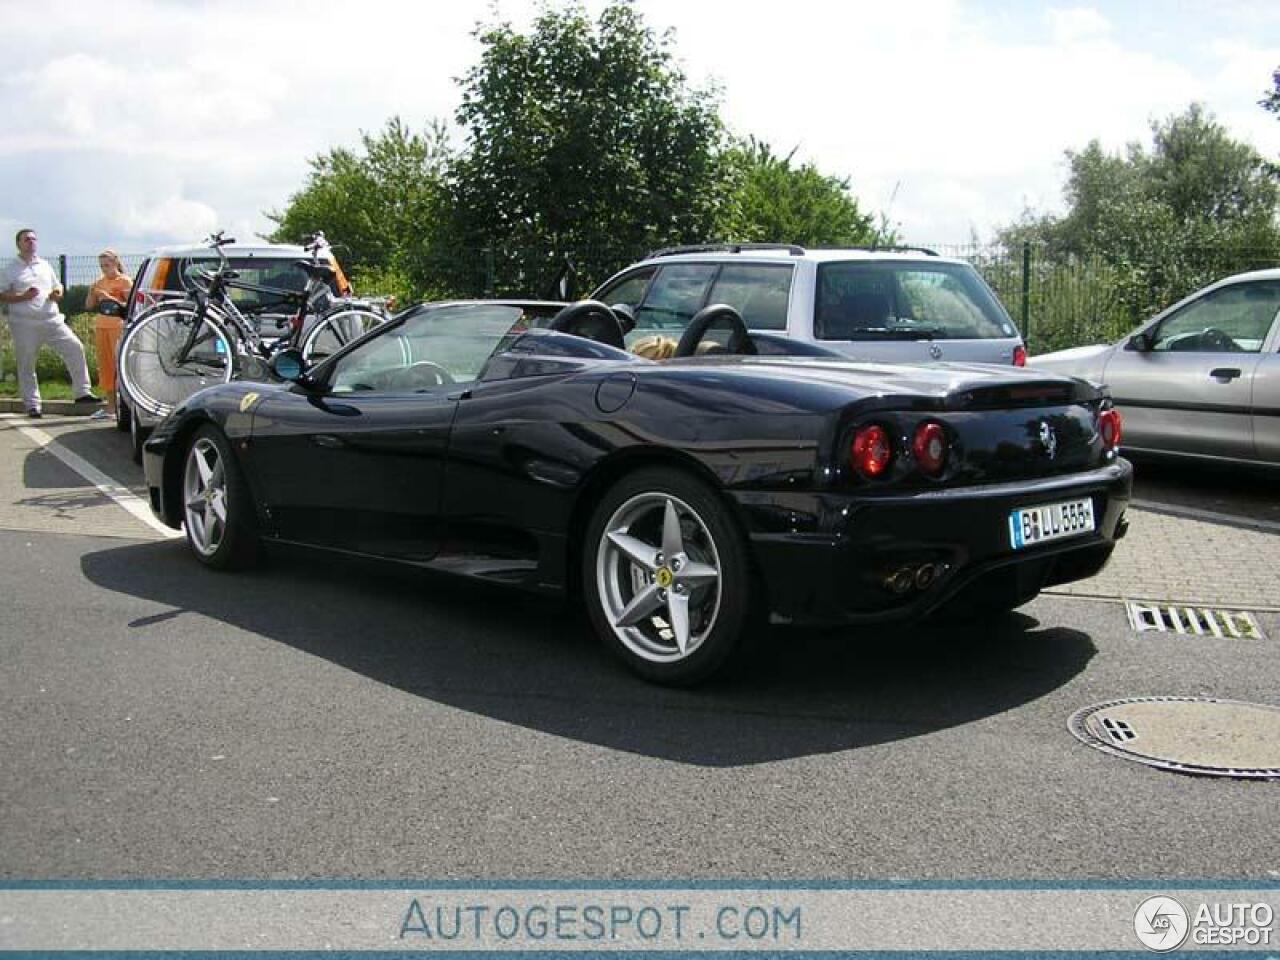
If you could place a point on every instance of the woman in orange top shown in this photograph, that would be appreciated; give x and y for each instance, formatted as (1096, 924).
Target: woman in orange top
(113, 285)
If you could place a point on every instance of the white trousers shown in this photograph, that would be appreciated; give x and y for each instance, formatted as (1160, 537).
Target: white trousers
(29, 334)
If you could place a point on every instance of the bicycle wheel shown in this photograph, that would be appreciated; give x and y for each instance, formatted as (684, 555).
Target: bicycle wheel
(161, 364)
(337, 327)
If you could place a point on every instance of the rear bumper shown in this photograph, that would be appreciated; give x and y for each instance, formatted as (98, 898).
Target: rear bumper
(826, 558)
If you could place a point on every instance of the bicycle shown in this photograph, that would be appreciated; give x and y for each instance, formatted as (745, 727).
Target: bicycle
(179, 347)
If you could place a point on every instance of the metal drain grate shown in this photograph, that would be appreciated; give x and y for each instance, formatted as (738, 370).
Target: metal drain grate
(1200, 621)
(1197, 735)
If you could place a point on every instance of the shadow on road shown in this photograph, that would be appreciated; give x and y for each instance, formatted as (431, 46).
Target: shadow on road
(1234, 490)
(534, 663)
(99, 444)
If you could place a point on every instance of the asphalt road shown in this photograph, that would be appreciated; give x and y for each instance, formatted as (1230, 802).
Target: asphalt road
(325, 719)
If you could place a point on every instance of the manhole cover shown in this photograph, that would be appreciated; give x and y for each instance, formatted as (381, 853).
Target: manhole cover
(1216, 738)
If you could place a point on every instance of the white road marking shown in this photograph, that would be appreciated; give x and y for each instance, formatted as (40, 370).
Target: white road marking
(123, 496)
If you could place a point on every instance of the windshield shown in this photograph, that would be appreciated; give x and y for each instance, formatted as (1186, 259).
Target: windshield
(887, 300)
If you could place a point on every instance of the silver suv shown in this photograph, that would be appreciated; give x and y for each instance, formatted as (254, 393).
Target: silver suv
(897, 305)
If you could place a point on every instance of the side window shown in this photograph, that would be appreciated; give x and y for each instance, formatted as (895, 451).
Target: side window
(758, 291)
(429, 350)
(171, 275)
(675, 296)
(1235, 319)
(628, 289)
(372, 366)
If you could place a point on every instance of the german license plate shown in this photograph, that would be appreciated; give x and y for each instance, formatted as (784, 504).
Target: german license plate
(1053, 521)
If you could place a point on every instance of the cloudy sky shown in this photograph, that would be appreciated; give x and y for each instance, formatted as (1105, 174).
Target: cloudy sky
(139, 122)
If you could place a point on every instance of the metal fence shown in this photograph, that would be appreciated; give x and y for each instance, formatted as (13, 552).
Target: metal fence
(1061, 301)
(1057, 301)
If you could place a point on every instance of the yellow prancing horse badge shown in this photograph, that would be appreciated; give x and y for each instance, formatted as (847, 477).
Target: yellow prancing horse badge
(663, 577)
(248, 400)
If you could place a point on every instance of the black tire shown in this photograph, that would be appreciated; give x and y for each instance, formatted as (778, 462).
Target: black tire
(717, 613)
(124, 415)
(232, 541)
(137, 437)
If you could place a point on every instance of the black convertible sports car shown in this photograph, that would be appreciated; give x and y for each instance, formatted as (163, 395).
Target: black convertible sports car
(521, 442)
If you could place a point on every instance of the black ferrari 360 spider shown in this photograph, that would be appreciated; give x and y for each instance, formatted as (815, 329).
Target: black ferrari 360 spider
(521, 442)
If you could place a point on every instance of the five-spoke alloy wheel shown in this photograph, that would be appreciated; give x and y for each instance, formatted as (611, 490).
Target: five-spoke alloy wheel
(666, 577)
(215, 504)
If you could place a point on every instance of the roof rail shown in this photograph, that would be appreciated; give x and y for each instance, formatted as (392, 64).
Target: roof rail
(791, 248)
(902, 249)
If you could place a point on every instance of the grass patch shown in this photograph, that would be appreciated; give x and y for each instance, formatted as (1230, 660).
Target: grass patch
(55, 383)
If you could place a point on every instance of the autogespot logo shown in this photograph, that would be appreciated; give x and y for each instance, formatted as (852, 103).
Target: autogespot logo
(1161, 923)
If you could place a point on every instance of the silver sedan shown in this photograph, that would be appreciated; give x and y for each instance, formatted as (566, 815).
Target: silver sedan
(1202, 378)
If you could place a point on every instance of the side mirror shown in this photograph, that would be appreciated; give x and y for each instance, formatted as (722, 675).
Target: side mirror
(289, 365)
(1140, 342)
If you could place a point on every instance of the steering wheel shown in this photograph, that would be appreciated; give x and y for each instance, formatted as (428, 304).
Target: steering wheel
(740, 341)
(591, 320)
(416, 377)
(1211, 338)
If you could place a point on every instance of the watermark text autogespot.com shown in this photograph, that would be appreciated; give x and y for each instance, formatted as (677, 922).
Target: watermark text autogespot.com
(603, 922)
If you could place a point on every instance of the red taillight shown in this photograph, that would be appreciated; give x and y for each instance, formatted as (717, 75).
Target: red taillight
(930, 447)
(872, 451)
(1019, 356)
(1111, 426)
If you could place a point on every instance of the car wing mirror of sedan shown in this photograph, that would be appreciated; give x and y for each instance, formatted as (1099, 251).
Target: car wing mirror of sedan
(1140, 342)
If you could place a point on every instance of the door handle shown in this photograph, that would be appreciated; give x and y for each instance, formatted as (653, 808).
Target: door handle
(1225, 373)
(326, 440)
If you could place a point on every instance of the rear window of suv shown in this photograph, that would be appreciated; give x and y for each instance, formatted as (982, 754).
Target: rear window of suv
(171, 278)
(887, 300)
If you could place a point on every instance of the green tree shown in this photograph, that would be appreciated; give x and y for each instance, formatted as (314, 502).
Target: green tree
(375, 204)
(1157, 222)
(1272, 100)
(582, 137)
(774, 201)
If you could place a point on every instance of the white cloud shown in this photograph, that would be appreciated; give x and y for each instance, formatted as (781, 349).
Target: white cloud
(168, 118)
(172, 216)
(1077, 24)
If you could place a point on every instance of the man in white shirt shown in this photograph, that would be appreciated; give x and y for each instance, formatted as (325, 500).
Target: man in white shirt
(32, 291)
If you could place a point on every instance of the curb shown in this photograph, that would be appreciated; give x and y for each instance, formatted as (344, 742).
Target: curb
(62, 408)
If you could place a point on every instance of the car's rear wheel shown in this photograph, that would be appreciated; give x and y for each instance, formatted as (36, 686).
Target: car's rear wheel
(123, 414)
(137, 437)
(666, 576)
(216, 505)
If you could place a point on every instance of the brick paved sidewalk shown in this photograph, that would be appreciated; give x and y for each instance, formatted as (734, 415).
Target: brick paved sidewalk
(1186, 560)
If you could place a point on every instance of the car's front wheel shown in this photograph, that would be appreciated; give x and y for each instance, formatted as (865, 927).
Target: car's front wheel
(666, 576)
(216, 506)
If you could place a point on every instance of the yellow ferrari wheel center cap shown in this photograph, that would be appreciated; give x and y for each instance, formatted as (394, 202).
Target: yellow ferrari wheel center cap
(663, 577)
